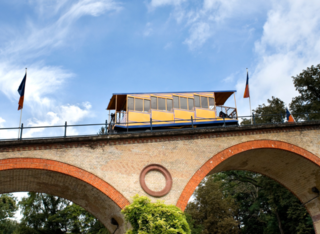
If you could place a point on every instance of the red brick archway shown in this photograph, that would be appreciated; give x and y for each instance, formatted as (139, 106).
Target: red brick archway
(55, 166)
(234, 150)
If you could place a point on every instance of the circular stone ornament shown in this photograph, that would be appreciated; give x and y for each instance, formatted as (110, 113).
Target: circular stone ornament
(164, 172)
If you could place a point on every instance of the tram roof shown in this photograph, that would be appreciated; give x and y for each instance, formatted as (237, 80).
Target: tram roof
(221, 97)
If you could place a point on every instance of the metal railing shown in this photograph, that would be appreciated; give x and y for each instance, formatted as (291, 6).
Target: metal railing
(150, 126)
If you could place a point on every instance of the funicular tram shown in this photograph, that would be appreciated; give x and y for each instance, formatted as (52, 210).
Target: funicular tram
(143, 111)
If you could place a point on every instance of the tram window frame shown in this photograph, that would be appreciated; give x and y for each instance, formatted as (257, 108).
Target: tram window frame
(171, 108)
(152, 107)
(144, 105)
(212, 107)
(163, 105)
(165, 102)
(137, 103)
(179, 106)
(203, 98)
(198, 100)
(131, 108)
(192, 101)
(176, 102)
(185, 105)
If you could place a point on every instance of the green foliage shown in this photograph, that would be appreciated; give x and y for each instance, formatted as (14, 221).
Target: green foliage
(194, 228)
(257, 204)
(43, 213)
(156, 218)
(273, 112)
(102, 131)
(212, 210)
(307, 83)
(8, 207)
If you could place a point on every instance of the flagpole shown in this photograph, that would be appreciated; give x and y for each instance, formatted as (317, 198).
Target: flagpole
(250, 103)
(22, 108)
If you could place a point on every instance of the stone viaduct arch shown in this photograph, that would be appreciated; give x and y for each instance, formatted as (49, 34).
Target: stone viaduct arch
(108, 167)
(67, 181)
(292, 166)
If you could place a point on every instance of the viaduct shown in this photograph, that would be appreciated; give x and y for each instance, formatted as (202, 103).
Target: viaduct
(103, 173)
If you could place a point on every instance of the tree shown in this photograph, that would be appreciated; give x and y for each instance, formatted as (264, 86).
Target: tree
(274, 112)
(246, 202)
(307, 83)
(43, 213)
(102, 131)
(156, 218)
(265, 206)
(212, 209)
(8, 207)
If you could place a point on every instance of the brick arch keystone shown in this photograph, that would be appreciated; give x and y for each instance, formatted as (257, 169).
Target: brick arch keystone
(231, 151)
(55, 166)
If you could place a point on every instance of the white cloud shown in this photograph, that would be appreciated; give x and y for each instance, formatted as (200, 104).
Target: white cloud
(41, 81)
(1, 121)
(168, 46)
(159, 3)
(55, 23)
(7, 134)
(148, 29)
(57, 116)
(199, 34)
(202, 18)
(38, 38)
(290, 43)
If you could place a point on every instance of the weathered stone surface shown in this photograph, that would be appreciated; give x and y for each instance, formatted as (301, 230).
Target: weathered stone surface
(287, 153)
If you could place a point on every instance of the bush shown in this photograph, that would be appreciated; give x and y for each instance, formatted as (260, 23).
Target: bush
(156, 218)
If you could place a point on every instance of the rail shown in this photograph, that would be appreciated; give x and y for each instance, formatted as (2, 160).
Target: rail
(28, 132)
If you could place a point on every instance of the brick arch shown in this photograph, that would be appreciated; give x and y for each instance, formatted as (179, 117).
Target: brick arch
(69, 170)
(202, 172)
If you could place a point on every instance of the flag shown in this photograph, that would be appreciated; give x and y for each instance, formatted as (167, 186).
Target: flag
(21, 91)
(246, 91)
(289, 116)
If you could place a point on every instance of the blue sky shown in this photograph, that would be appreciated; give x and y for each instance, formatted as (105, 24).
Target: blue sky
(79, 52)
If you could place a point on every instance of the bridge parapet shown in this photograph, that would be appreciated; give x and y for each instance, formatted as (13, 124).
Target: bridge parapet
(190, 133)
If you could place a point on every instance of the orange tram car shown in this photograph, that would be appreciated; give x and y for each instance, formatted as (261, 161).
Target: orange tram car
(168, 110)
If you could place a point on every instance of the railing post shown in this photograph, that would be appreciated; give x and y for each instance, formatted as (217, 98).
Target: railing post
(308, 116)
(192, 121)
(151, 124)
(253, 119)
(21, 131)
(224, 121)
(65, 129)
(106, 127)
(127, 126)
(281, 116)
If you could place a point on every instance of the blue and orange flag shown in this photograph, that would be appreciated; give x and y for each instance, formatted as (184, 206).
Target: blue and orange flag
(21, 89)
(246, 91)
(289, 116)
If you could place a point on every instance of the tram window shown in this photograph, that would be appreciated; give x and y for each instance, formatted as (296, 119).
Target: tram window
(204, 102)
(176, 102)
(130, 103)
(190, 103)
(161, 104)
(138, 104)
(153, 103)
(196, 101)
(169, 104)
(146, 105)
(211, 103)
(183, 103)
